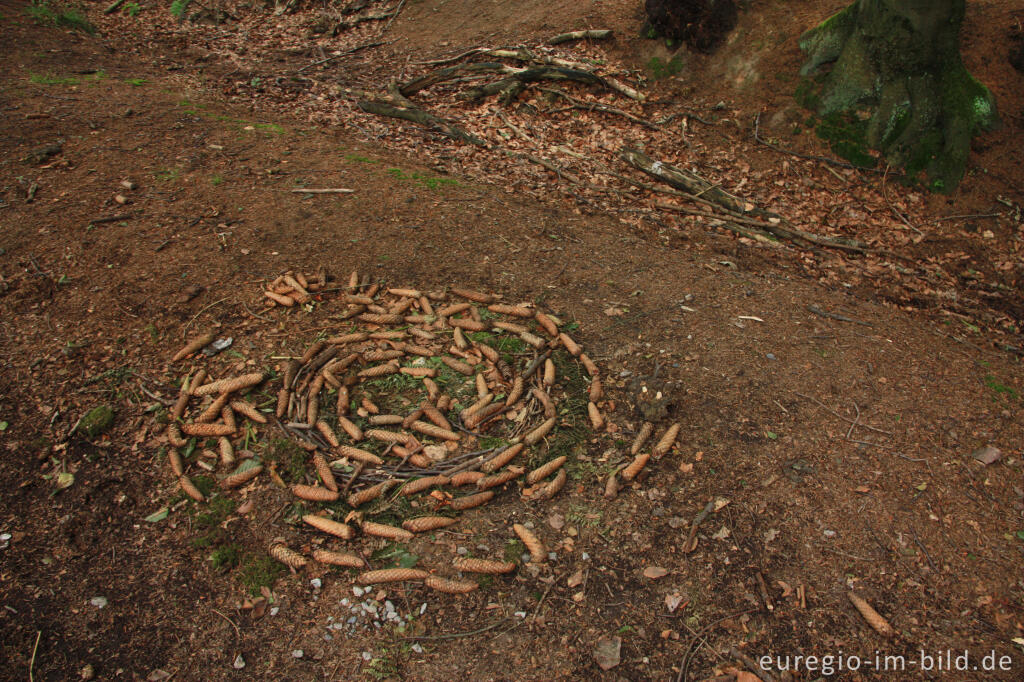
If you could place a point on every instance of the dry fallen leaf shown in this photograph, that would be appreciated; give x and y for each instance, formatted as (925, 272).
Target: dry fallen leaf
(607, 652)
(655, 572)
(575, 580)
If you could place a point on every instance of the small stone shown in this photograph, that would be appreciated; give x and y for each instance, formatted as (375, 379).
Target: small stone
(298, 653)
(367, 655)
(462, 551)
(829, 533)
(316, 583)
(358, 591)
(239, 662)
(98, 602)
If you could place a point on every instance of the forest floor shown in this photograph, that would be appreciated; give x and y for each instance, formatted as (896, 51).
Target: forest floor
(832, 404)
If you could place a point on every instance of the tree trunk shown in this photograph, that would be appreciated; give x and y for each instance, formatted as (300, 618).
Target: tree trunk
(896, 70)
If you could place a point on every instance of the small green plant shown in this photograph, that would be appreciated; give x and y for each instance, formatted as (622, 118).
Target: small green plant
(49, 79)
(217, 180)
(137, 82)
(63, 17)
(132, 9)
(178, 9)
(659, 69)
(1000, 389)
(356, 158)
(169, 174)
(383, 666)
(429, 181)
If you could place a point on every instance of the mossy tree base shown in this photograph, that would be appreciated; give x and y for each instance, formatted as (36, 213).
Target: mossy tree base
(895, 64)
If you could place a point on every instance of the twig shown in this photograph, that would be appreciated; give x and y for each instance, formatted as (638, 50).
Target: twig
(836, 414)
(333, 190)
(237, 631)
(393, 16)
(456, 635)
(256, 315)
(923, 549)
(829, 550)
(598, 106)
(112, 7)
(835, 316)
(32, 663)
(110, 219)
(698, 636)
(882, 447)
(751, 665)
(824, 159)
(593, 34)
(194, 317)
(885, 195)
(536, 611)
(964, 217)
(691, 539)
(856, 419)
(343, 54)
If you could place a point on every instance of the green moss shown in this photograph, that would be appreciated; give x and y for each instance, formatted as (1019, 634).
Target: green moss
(289, 458)
(258, 571)
(847, 137)
(226, 557)
(514, 549)
(96, 421)
(660, 69)
(216, 512)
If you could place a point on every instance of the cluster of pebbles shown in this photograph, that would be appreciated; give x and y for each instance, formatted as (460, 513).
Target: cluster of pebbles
(420, 406)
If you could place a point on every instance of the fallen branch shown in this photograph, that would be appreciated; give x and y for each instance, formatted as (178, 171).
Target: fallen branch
(343, 54)
(597, 106)
(377, 15)
(594, 34)
(112, 7)
(738, 209)
(682, 179)
(394, 15)
(424, 118)
(552, 68)
(334, 190)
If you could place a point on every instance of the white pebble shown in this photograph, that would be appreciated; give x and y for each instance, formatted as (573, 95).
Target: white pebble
(298, 653)
(423, 609)
(417, 648)
(316, 583)
(520, 614)
(358, 591)
(274, 610)
(239, 662)
(367, 655)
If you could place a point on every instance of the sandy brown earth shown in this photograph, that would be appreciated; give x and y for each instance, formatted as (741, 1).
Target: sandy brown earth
(829, 405)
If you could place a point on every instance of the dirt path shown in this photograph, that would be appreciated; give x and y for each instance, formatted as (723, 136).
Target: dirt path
(838, 451)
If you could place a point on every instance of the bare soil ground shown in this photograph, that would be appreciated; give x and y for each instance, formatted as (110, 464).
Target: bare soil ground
(837, 449)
